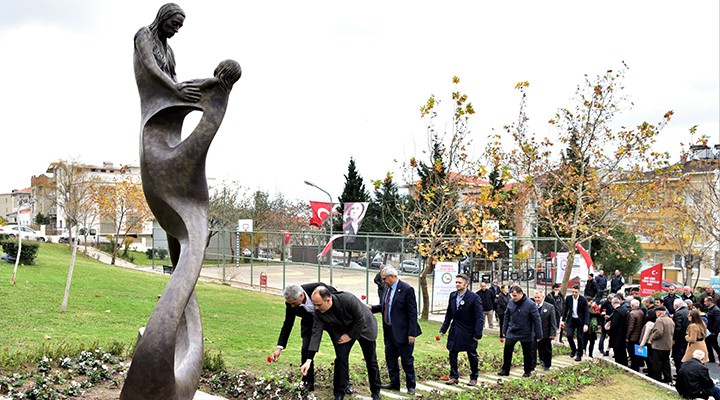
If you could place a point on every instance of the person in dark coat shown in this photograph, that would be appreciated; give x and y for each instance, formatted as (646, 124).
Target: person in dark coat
(709, 292)
(298, 304)
(559, 302)
(606, 310)
(522, 324)
(501, 304)
(616, 282)
(618, 332)
(590, 337)
(549, 330)
(601, 282)
(713, 326)
(633, 333)
(400, 328)
(669, 300)
(464, 319)
(591, 287)
(577, 320)
(694, 381)
(681, 320)
(350, 321)
(380, 284)
(488, 303)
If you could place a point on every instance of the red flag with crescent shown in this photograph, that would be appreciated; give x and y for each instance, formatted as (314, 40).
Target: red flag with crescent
(320, 211)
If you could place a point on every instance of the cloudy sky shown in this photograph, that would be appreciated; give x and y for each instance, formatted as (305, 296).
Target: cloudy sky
(324, 81)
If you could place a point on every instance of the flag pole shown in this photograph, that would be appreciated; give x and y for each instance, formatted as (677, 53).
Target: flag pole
(330, 222)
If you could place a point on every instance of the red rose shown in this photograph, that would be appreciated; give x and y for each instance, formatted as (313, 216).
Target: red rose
(269, 359)
(437, 337)
(363, 297)
(502, 340)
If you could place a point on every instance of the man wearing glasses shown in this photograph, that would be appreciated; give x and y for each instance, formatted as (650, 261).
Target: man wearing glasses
(350, 321)
(298, 304)
(400, 328)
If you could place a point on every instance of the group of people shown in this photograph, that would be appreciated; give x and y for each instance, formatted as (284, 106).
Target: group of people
(640, 331)
(348, 320)
(677, 327)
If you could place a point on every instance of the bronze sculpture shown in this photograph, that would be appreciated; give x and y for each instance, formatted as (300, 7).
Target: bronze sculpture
(167, 362)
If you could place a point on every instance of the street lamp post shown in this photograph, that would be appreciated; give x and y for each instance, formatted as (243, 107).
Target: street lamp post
(330, 222)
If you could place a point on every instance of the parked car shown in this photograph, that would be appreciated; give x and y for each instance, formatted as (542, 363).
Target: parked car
(666, 283)
(627, 288)
(376, 263)
(65, 239)
(409, 266)
(22, 231)
(246, 253)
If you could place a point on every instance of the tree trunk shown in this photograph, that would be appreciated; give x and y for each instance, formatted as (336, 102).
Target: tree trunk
(17, 259)
(568, 269)
(63, 307)
(425, 314)
(114, 249)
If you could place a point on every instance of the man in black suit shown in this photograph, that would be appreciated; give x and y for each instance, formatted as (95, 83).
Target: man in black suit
(618, 332)
(466, 315)
(577, 319)
(350, 321)
(298, 304)
(549, 330)
(400, 328)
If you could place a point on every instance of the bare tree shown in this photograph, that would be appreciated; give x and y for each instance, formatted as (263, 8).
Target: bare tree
(72, 187)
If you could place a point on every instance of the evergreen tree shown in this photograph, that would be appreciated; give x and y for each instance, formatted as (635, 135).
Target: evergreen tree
(354, 192)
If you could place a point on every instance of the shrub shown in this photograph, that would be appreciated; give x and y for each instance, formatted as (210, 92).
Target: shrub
(27, 254)
(157, 254)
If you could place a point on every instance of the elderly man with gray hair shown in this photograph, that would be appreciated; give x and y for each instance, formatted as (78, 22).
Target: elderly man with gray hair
(398, 306)
(681, 320)
(299, 304)
(693, 379)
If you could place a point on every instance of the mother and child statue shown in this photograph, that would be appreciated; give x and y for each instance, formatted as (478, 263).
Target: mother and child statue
(167, 361)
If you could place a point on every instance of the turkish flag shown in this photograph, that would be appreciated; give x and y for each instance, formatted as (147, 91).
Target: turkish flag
(328, 246)
(585, 256)
(320, 211)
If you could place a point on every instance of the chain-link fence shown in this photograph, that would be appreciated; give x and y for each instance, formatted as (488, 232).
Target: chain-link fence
(272, 260)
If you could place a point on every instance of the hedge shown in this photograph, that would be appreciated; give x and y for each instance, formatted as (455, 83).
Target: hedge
(27, 254)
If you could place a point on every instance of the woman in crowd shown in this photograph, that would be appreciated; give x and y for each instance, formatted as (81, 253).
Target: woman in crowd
(695, 336)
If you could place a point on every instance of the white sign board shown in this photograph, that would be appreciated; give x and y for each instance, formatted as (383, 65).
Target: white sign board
(245, 225)
(444, 277)
(579, 267)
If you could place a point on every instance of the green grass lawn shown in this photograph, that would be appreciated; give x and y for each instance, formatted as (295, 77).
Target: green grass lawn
(108, 304)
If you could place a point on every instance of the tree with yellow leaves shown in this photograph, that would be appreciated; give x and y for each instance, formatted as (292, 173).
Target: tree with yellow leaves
(602, 180)
(122, 205)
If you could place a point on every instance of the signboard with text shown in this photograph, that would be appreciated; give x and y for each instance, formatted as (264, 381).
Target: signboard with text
(651, 280)
(444, 283)
(579, 267)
